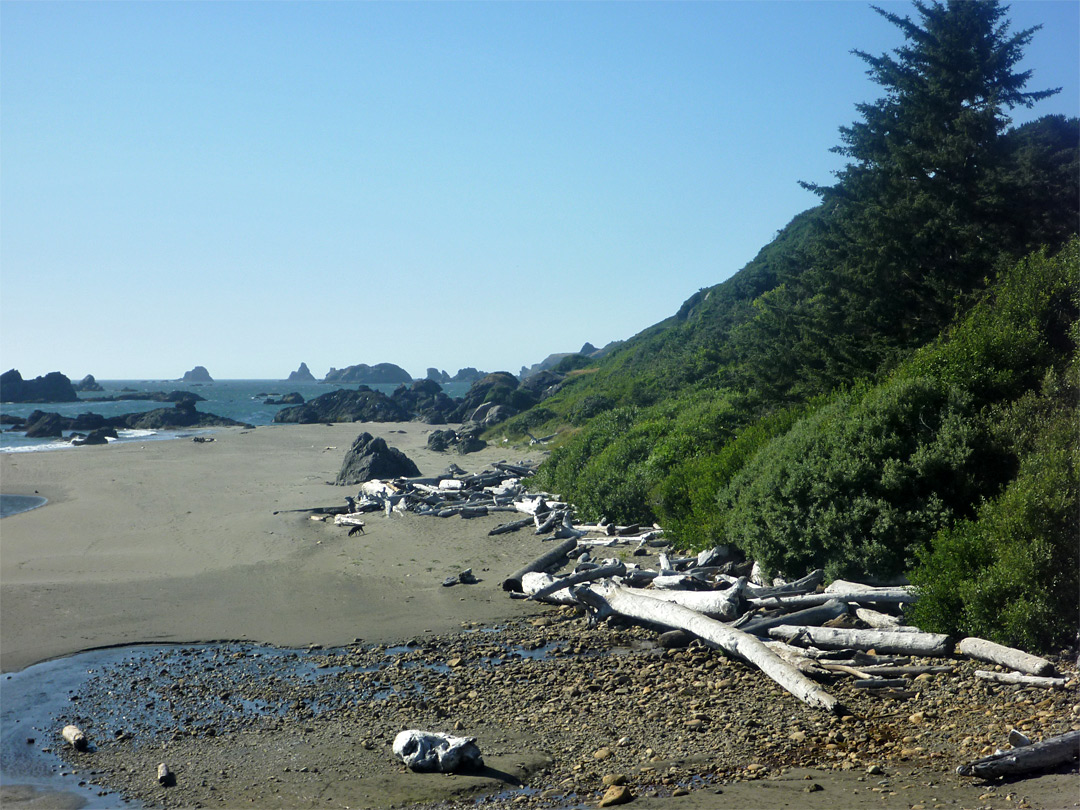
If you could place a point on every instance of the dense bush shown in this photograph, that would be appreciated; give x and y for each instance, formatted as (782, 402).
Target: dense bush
(1010, 574)
(857, 487)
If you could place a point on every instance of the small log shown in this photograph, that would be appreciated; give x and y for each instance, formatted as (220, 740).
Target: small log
(984, 650)
(810, 616)
(75, 737)
(614, 599)
(921, 644)
(1035, 757)
(165, 776)
(893, 596)
(535, 581)
(545, 562)
(803, 585)
(512, 526)
(353, 519)
(1023, 680)
(880, 683)
(877, 619)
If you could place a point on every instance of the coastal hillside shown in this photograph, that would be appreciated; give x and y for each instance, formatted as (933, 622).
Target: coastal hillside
(889, 388)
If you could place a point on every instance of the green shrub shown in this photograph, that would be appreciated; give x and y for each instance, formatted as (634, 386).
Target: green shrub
(1010, 574)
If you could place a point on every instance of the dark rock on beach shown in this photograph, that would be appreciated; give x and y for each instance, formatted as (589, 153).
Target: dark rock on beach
(302, 374)
(380, 373)
(497, 388)
(198, 374)
(465, 440)
(181, 415)
(370, 458)
(99, 436)
(343, 405)
(53, 387)
(40, 425)
(88, 383)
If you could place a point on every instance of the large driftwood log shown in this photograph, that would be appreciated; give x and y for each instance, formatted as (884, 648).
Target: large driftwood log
(1024, 680)
(892, 596)
(816, 615)
(1035, 757)
(830, 638)
(984, 650)
(535, 581)
(545, 562)
(722, 605)
(615, 599)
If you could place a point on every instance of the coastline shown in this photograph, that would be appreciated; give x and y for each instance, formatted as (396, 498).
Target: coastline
(176, 541)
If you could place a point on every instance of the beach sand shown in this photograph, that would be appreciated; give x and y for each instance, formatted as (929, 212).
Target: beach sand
(177, 541)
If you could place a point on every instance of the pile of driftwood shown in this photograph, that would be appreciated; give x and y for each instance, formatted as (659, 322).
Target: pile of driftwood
(797, 633)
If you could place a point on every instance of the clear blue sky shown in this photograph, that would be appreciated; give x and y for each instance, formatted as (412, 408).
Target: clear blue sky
(249, 185)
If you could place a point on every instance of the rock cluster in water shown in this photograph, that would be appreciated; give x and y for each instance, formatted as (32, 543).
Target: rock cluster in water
(53, 387)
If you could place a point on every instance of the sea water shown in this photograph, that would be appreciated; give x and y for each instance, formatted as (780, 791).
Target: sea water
(242, 400)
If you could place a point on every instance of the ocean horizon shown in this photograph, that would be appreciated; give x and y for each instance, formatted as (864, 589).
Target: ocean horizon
(241, 400)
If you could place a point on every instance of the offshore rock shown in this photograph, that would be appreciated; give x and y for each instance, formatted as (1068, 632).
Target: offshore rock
(198, 374)
(369, 375)
(53, 387)
(302, 374)
(289, 399)
(370, 457)
(88, 383)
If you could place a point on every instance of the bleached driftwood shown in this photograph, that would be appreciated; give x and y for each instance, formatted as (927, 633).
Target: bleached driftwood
(615, 569)
(893, 596)
(984, 650)
(605, 600)
(799, 586)
(722, 605)
(165, 776)
(881, 621)
(922, 644)
(1035, 757)
(535, 581)
(1023, 680)
(545, 562)
(819, 614)
(353, 519)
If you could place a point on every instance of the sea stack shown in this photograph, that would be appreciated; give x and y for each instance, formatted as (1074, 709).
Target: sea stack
(302, 374)
(199, 374)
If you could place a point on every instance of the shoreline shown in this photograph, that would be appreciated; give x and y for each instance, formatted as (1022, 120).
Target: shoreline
(183, 542)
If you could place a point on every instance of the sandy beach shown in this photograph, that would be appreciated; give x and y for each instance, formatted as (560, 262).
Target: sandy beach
(180, 541)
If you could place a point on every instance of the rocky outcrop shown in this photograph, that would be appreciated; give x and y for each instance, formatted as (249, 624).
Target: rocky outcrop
(381, 373)
(181, 415)
(199, 374)
(370, 458)
(289, 399)
(424, 400)
(343, 405)
(543, 384)
(149, 396)
(302, 374)
(88, 383)
(498, 388)
(437, 376)
(40, 424)
(53, 387)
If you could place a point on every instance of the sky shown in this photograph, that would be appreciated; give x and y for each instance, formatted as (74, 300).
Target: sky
(251, 185)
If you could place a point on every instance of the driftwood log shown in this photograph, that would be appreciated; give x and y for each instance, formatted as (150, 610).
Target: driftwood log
(1018, 678)
(883, 641)
(722, 605)
(1035, 757)
(545, 562)
(616, 569)
(614, 599)
(889, 596)
(983, 650)
(74, 737)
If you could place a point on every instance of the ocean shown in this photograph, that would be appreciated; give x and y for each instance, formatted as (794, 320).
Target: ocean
(241, 400)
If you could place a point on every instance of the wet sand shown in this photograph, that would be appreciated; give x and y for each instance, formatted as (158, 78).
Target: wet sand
(181, 541)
